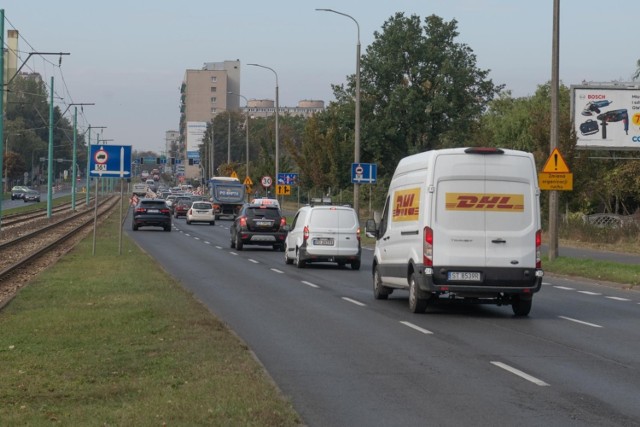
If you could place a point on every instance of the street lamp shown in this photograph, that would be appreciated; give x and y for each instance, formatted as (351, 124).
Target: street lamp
(277, 111)
(356, 156)
(247, 130)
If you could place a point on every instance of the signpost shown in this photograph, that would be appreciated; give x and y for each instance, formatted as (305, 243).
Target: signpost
(555, 174)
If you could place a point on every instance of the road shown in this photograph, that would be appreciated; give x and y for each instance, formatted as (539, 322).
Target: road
(344, 358)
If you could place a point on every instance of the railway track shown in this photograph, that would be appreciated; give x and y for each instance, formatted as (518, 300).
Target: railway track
(21, 218)
(20, 257)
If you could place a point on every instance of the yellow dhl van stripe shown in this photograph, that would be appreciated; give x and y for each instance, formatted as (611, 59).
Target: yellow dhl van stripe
(406, 205)
(484, 202)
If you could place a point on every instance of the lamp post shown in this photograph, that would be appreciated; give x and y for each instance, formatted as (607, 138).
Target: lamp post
(356, 155)
(247, 131)
(277, 113)
(75, 137)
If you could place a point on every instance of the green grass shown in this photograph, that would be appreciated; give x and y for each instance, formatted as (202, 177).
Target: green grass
(112, 340)
(627, 274)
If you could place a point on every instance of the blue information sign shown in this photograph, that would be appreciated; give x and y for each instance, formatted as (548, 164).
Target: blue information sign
(364, 173)
(288, 178)
(110, 160)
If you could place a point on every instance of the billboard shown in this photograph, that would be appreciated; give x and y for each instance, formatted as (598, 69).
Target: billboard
(606, 116)
(195, 134)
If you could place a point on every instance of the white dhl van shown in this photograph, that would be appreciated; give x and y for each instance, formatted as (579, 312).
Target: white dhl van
(462, 223)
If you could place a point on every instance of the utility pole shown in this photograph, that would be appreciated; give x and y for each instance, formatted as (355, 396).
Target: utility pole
(74, 168)
(50, 160)
(555, 116)
(1, 101)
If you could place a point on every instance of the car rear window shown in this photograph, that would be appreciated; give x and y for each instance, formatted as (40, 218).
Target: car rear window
(202, 206)
(152, 204)
(263, 212)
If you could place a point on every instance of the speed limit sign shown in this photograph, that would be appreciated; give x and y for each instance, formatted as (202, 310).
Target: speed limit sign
(266, 181)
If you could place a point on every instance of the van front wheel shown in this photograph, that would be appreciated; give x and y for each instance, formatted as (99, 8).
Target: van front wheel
(417, 304)
(379, 290)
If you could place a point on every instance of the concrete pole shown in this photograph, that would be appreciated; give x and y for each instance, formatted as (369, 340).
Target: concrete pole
(555, 118)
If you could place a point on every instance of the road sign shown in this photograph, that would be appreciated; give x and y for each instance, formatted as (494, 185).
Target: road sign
(234, 174)
(364, 173)
(266, 181)
(283, 190)
(555, 181)
(288, 178)
(247, 181)
(112, 160)
(555, 163)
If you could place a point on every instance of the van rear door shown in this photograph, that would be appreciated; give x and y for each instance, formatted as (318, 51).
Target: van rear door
(485, 211)
(335, 225)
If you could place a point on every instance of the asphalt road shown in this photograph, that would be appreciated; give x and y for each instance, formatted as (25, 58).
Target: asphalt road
(344, 358)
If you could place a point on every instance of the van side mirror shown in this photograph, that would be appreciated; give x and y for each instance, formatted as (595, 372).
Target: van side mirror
(371, 228)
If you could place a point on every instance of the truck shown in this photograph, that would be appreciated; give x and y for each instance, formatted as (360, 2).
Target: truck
(462, 224)
(227, 195)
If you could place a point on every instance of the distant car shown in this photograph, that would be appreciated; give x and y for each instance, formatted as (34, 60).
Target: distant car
(151, 213)
(177, 199)
(181, 207)
(31, 196)
(259, 225)
(201, 212)
(18, 191)
(324, 233)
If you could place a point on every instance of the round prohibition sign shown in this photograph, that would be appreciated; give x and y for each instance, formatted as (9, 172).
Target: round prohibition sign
(101, 157)
(359, 170)
(266, 181)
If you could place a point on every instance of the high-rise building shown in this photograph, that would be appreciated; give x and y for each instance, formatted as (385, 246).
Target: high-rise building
(203, 94)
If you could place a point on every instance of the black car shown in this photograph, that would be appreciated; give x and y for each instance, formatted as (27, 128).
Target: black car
(259, 225)
(31, 196)
(151, 213)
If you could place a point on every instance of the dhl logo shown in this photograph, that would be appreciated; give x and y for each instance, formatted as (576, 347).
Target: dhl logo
(485, 202)
(406, 205)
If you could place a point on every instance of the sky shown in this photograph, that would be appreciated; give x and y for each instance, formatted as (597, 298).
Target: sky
(129, 57)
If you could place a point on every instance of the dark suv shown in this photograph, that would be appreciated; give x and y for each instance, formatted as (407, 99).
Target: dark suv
(259, 225)
(151, 213)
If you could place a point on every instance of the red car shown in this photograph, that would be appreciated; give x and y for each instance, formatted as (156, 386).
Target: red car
(181, 208)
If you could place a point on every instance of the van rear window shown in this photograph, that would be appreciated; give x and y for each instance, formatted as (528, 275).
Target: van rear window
(333, 218)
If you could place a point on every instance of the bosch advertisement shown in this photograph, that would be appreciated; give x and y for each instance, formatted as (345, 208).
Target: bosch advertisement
(606, 116)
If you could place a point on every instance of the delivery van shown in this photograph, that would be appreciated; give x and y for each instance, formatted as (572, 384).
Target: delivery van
(461, 223)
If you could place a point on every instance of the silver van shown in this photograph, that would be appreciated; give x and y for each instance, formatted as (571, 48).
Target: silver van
(324, 234)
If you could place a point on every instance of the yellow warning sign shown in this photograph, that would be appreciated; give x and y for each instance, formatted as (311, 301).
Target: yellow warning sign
(555, 163)
(283, 190)
(555, 181)
(234, 174)
(247, 181)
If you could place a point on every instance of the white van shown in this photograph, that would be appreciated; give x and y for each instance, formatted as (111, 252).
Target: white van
(461, 223)
(324, 233)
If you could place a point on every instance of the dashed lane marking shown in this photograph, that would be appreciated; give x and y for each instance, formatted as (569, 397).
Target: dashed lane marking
(580, 321)
(416, 327)
(313, 285)
(520, 373)
(352, 301)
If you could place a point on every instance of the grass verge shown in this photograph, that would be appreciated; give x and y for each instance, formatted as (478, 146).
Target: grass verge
(113, 340)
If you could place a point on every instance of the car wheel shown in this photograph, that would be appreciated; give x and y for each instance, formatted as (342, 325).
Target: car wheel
(417, 304)
(212, 223)
(521, 306)
(167, 228)
(239, 243)
(134, 227)
(299, 262)
(355, 265)
(188, 222)
(287, 260)
(379, 290)
(232, 241)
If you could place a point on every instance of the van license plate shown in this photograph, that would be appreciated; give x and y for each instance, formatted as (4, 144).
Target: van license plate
(323, 242)
(464, 276)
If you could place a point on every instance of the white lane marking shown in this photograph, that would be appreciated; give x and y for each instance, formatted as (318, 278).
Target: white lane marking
(254, 261)
(618, 298)
(580, 321)
(207, 243)
(589, 293)
(219, 247)
(546, 284)
(564, 288)
(352, 301)
(197, 238)
(276, 270)
(233, 253)
(187, 234)
(416, 327)
(310, 284)
(520, 374)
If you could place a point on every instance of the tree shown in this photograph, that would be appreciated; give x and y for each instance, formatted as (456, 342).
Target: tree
(636, 75)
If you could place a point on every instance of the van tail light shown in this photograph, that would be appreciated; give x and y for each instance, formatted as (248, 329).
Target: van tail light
(538, 246)
(305, 233)
(427, 247)
(243, 221)
(358, 235)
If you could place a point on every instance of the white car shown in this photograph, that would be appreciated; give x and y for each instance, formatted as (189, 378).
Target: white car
(324, 233)
(201, 212)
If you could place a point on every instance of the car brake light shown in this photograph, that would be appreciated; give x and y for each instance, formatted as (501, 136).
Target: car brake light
(243, 221)
(190, 212)
(427, 247)
(538, 246)
(283, 221)
(141, 210)
(165, 211)
(305, 233)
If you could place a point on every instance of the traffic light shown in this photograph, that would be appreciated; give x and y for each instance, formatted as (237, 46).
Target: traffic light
(157, 160)
(191, 162)
(141, 160)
